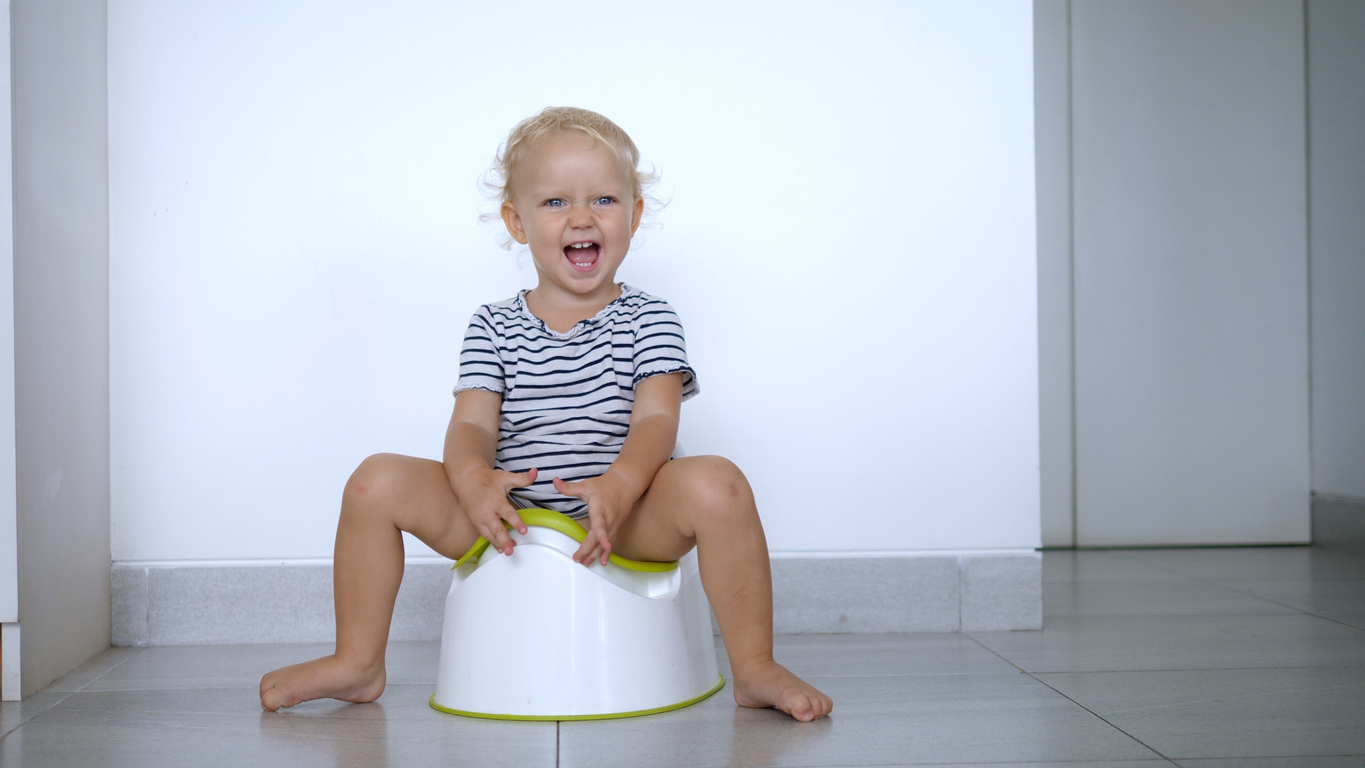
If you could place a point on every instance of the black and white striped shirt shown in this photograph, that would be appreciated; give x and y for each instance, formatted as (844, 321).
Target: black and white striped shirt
(566, 397)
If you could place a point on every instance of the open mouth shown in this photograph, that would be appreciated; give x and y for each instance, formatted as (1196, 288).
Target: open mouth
(583, 256)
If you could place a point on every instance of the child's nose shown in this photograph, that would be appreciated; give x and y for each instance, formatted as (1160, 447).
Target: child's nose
(580, 215)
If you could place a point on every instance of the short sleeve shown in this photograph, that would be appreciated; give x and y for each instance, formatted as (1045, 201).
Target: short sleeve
(660, 347)
(480, 363)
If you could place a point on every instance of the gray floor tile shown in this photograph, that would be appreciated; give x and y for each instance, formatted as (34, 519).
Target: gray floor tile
(1150, 598)
(1244, 675)
(1251, 562)
(941, 653)
(1099, 565)
(1316, 761)
(912, 719)
(224, 726)
(1356, 620)
(15, 713)
(226, 666)
(1319, 596)
(397, 702)
(83, 736)
(1131, 643)
(1055, 764)
(1229, 713)
(92, 670)
(1030, 764)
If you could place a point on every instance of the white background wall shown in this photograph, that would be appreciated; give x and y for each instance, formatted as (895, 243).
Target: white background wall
(850, 243)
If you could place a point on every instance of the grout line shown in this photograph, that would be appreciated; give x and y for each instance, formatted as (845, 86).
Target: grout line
(1181, 670)
(1210, 583)
(64, 696)
(100, 676)
(146, 638)
(1103, 720)
(959, 594)
(1068, 698)
(995, 654)
(1294, 608)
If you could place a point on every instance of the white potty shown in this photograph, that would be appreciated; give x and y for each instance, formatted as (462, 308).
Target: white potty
(536, 636)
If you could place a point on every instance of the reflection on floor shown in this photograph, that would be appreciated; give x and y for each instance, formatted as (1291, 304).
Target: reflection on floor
(1195, 657)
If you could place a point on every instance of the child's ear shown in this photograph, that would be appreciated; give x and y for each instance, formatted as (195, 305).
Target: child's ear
(637, 216)
(512, 220)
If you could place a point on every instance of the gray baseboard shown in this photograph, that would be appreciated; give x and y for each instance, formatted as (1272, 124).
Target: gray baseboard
(1339, 522)
(204, 605)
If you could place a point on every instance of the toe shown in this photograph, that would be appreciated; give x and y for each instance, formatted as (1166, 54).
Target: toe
(799, 707)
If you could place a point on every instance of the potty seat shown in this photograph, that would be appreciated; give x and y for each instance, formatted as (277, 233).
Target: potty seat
(536, 636)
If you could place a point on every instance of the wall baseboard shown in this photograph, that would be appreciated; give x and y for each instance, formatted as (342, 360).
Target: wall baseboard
(212, 604)
(1338, 522)
(10, 679)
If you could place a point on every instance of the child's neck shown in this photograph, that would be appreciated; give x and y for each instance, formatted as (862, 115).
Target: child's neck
(561, 310)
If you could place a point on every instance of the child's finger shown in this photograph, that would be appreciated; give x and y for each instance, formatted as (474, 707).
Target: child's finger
(512, 517)
(594, 552)
(600, 531)
(497, 536)
(568, 489)
(520, 480)
(585, 550)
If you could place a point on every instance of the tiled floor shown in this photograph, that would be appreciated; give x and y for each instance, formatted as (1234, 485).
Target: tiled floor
(1225, 657)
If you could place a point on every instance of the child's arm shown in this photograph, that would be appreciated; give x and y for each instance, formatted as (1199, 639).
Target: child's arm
(649, 443)
(470, 449)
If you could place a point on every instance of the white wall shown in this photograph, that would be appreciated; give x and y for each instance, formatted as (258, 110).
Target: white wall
(61, 355)
(850, 243)
(1191, 338)
(1336, 126)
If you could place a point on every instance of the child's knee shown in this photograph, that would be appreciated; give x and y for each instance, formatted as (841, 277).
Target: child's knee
(377, 477)
(719, 487)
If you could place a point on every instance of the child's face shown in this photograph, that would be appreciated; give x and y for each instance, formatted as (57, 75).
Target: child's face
(572, 204)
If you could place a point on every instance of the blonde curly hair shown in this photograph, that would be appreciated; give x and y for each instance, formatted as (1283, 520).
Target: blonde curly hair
(498, 180)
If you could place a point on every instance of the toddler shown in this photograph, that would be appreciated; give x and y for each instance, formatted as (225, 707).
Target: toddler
(568, 398)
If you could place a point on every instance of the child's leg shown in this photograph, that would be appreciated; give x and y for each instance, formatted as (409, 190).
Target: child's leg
(706, 501)
(386, 494)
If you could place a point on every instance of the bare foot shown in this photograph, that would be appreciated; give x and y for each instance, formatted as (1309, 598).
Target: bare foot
(769, 684)
(326, 678)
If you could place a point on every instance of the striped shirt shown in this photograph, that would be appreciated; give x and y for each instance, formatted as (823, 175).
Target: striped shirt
(567, 397)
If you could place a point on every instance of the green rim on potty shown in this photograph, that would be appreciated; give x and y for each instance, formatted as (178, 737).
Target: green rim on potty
(626, 639)
(556, 521)
(720, 683)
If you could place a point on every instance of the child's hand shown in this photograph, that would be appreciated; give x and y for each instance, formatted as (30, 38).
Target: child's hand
(609, 503)
(484, 496)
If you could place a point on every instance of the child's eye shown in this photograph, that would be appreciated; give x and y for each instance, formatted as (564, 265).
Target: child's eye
(604, 200)
(554, 202)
